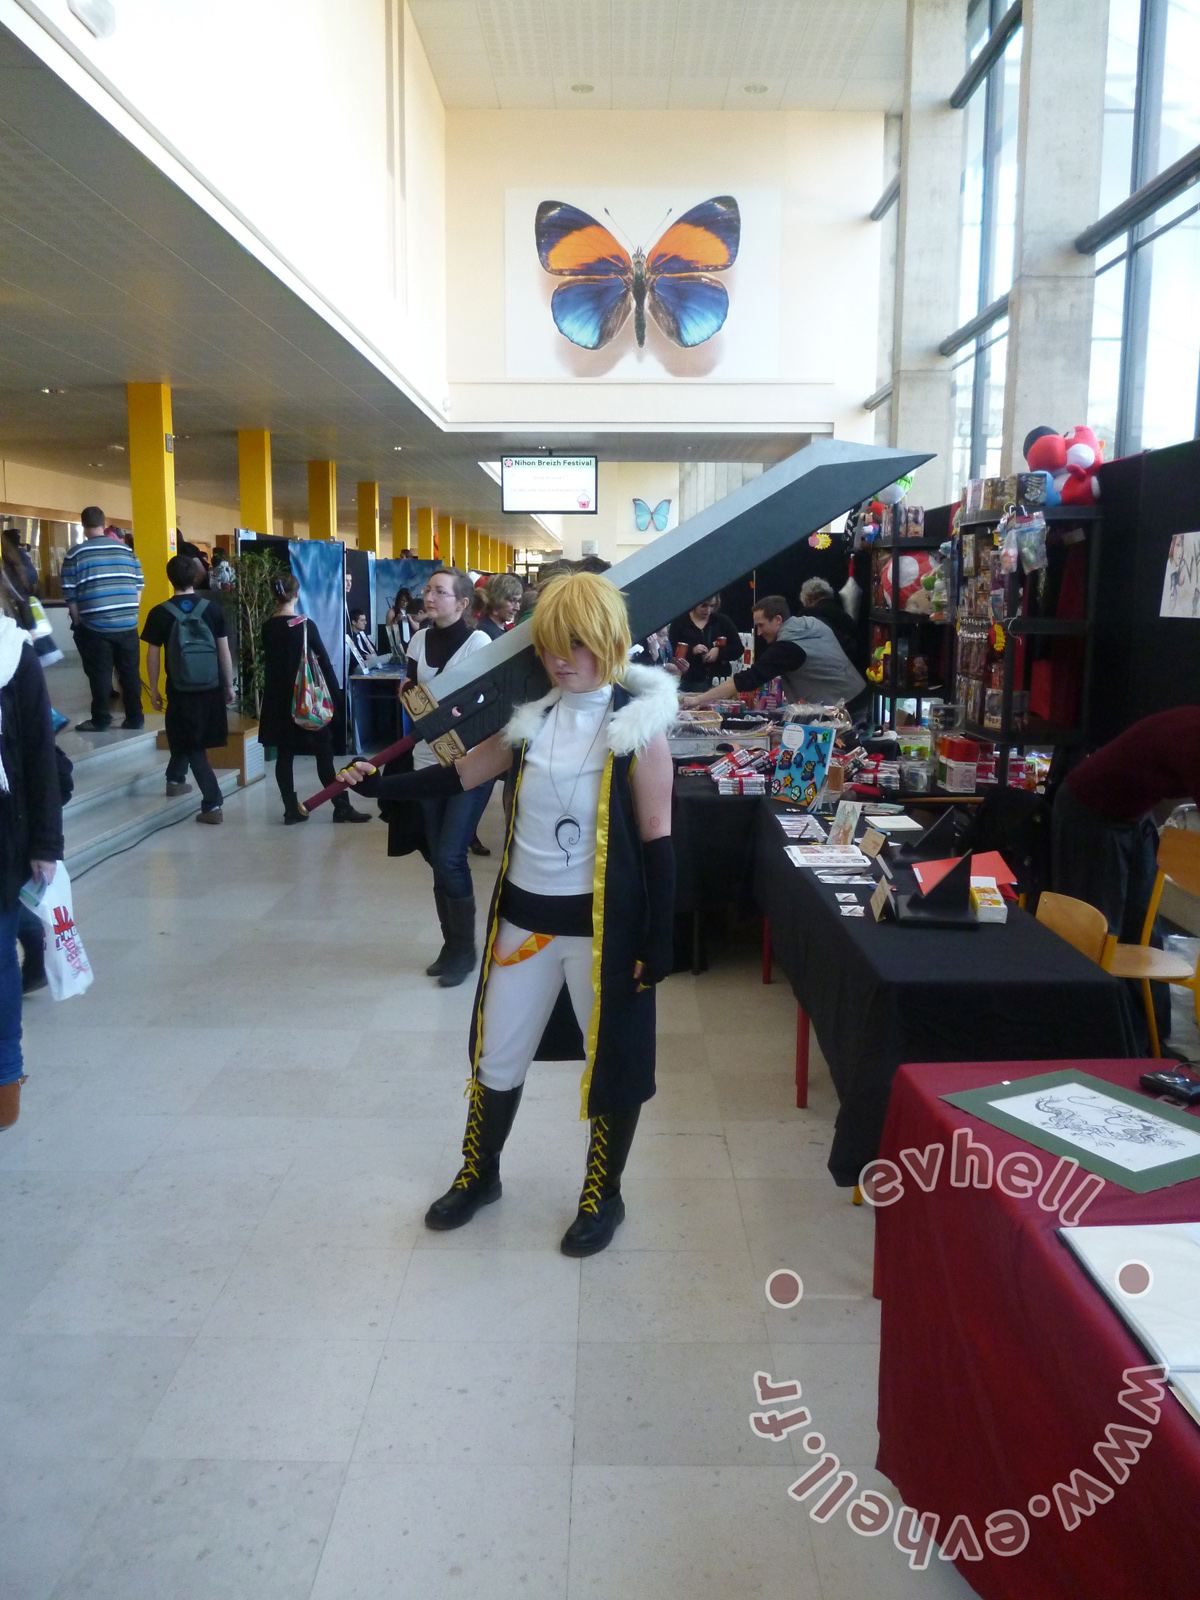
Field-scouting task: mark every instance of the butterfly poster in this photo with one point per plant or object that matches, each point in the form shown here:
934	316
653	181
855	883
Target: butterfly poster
647	517
642	284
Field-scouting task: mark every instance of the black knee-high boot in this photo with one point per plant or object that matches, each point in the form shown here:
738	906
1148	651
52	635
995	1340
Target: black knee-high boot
601	1209
439	961
489	1121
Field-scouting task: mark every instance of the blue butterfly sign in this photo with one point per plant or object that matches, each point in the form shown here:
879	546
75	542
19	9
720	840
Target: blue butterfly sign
644	516
673	281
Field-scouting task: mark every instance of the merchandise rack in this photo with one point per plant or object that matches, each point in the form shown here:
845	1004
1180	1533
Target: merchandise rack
888	691
1036	733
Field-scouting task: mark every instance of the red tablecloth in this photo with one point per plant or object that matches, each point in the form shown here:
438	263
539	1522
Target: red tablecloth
1001	1364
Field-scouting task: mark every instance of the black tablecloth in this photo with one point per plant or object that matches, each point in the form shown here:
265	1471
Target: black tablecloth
714	845
880	994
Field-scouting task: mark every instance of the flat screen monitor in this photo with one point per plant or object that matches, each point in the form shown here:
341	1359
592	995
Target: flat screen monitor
556	485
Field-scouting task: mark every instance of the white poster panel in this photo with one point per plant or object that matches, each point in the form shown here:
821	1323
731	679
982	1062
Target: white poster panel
746	347
1134	1139
1181	581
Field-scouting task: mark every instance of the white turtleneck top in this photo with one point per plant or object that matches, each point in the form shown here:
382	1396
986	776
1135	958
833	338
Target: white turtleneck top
564	762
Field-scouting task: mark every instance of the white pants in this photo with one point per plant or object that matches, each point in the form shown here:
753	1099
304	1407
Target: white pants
518	1000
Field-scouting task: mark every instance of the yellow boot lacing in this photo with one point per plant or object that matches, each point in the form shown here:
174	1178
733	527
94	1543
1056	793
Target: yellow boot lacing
597	1167
472	1152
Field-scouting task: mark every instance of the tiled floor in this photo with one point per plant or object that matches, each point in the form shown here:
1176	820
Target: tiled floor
235	1363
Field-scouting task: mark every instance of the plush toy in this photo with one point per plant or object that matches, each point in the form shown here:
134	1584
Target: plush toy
1081	487
878	656
913	569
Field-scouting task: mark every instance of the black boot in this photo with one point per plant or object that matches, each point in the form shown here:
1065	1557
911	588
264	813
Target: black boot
293	811
343	811
489	1119
459	959
601	1209
435	966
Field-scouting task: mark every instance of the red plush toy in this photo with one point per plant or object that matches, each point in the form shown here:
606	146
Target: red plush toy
1081	487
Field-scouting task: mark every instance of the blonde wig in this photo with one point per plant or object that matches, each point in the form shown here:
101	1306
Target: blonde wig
582	608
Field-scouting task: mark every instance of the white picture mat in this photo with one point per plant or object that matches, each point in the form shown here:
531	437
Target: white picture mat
1127	1136
746	350
1167	1317
1181	581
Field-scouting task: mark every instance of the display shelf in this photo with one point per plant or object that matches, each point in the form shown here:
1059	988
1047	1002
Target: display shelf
1027	626
888	617
1052	514
1033	734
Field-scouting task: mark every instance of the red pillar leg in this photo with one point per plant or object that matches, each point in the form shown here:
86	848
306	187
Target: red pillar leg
766	951
801	1057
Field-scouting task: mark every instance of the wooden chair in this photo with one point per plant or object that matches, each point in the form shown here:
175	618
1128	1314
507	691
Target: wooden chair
1075	921
1179	860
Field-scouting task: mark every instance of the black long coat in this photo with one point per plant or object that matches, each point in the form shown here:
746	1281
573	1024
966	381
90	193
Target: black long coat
31	811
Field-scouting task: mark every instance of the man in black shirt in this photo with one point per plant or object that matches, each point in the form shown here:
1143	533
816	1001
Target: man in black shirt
708	638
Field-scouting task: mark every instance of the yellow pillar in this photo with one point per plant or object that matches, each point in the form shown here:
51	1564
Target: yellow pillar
368	517
255	494
474	553
322	499
443	549
401	513
489	552
426	532
460	545
152	486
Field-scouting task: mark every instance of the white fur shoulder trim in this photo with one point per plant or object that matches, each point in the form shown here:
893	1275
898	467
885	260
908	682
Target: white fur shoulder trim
652	709
527	719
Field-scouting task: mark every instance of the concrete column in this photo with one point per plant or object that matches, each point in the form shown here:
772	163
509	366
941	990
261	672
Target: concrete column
152	486
443	545
322	500
426	532
475	551
368	517
256	500
1063	58
927	240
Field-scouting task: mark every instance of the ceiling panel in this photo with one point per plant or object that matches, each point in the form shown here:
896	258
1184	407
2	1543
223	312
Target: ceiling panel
657	54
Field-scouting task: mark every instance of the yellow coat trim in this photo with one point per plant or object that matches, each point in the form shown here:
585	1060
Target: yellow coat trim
598	880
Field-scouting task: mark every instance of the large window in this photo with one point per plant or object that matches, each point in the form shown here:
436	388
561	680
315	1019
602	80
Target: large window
1144	388
989	210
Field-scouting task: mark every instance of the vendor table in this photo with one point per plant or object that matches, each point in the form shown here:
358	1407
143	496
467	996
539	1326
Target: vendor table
879	994
1001	1364
713	835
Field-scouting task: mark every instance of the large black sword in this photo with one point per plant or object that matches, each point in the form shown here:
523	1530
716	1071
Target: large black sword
661	581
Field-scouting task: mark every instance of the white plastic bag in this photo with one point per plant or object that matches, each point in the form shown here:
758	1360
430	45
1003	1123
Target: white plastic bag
67	967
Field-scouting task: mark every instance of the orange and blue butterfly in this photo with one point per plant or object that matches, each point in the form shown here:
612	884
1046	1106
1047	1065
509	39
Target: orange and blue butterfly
604	283
645	516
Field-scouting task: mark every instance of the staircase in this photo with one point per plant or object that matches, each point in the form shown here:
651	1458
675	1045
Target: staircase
120	795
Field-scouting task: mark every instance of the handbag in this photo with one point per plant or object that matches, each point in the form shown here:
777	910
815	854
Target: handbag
312	703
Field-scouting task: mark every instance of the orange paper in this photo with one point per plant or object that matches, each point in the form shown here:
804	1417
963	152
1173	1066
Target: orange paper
991	864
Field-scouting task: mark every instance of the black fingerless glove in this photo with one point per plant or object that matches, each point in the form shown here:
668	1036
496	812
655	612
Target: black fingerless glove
429	783
657	951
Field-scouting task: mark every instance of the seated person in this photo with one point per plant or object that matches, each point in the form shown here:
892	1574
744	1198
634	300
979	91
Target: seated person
710	639
801	651
362	646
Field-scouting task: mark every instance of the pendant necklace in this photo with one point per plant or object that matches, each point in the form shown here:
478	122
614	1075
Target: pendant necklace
567	832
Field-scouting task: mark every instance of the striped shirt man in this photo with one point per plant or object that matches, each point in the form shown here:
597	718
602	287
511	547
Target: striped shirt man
101	581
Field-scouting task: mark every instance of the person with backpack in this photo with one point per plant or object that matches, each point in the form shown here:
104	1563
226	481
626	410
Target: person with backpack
190	629
292	649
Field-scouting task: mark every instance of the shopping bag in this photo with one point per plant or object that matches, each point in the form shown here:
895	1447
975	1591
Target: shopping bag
312	704
67	967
